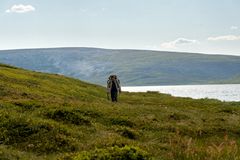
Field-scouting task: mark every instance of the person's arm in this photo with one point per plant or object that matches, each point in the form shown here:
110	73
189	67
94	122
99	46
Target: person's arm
108	89
119	86
108	86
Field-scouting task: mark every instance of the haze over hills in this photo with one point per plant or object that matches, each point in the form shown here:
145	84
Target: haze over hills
134	67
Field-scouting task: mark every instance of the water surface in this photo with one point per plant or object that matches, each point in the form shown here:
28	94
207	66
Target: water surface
226	92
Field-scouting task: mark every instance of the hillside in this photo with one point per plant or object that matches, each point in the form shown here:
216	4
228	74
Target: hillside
134	67
49	116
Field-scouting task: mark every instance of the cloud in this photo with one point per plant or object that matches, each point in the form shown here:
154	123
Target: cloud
234	27
178	42
224	38
20	8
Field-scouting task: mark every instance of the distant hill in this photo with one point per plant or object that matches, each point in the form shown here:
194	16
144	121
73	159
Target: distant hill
134	67
53	117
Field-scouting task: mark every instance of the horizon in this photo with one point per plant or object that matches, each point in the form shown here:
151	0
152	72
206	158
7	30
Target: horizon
204	27
180	52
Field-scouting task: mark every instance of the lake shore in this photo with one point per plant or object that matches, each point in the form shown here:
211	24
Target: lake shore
223	92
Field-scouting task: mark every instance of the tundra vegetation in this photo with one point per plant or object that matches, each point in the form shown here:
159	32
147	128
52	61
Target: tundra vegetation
49	116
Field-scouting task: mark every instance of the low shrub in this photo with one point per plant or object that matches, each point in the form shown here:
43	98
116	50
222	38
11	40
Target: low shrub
91	114
127	133
230	111
177	116
27	105
68	117
114	153
121	122
3	91
36	137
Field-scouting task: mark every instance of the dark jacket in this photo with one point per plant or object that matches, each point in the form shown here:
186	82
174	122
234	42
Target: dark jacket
110	84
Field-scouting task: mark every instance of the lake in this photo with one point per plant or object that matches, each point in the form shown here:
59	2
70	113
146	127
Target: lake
226	92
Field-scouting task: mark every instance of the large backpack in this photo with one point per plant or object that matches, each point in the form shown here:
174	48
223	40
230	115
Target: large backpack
109	83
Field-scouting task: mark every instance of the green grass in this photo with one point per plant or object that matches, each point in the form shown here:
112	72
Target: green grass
46	116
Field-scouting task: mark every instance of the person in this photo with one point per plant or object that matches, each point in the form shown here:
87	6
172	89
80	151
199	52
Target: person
113	87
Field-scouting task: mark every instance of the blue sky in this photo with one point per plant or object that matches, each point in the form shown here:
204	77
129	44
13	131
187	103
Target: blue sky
203	26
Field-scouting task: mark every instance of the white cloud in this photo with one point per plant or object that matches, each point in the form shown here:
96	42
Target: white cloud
234	27
178	42
20	8
224	38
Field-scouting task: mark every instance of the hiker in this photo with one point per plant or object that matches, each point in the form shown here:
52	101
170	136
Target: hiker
113	87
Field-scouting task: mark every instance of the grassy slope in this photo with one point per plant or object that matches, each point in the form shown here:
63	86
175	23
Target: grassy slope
46	116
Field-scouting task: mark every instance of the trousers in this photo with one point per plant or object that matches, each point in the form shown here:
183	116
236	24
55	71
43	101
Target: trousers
114	95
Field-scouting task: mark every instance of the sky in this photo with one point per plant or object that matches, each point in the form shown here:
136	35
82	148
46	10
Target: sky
199	26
